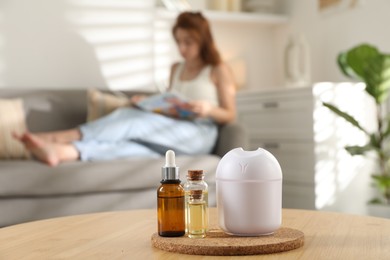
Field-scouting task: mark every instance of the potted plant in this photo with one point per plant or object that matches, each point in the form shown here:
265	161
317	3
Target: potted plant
366	63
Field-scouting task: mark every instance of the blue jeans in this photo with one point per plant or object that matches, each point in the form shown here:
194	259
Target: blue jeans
129	132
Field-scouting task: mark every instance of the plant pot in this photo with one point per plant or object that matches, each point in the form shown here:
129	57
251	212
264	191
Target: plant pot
379	210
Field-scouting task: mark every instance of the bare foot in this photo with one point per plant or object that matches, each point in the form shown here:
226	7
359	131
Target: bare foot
61	137
42	150
45	137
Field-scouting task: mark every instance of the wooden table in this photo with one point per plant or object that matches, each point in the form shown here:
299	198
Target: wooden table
126	235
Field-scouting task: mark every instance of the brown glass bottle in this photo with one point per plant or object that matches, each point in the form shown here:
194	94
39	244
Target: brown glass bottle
170	209
170	200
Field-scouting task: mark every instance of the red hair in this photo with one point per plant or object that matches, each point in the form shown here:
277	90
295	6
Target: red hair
199	28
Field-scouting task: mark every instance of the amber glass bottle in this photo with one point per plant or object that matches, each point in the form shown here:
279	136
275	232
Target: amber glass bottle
171	218
170	200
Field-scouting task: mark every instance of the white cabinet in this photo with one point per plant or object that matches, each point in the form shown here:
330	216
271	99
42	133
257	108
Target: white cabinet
307	138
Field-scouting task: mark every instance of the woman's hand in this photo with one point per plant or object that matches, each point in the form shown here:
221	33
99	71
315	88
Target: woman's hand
201	107
136	98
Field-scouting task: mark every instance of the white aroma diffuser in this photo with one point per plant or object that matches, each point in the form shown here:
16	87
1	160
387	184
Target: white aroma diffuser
249	192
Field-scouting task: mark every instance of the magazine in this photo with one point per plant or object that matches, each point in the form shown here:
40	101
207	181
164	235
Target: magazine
168	103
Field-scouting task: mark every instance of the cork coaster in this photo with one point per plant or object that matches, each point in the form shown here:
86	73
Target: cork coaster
219	243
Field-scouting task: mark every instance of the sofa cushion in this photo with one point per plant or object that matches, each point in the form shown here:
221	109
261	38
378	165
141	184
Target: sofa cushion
31	178
100	103
48	110
12	119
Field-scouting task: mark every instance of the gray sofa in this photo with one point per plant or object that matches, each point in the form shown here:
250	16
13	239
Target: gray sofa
30	190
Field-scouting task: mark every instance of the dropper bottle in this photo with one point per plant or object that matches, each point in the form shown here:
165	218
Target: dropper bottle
170	200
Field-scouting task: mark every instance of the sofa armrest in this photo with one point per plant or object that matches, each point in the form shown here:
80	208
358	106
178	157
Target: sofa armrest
231	136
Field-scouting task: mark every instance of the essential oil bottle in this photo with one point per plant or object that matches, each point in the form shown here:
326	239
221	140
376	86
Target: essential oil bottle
195	181
196	215
170	200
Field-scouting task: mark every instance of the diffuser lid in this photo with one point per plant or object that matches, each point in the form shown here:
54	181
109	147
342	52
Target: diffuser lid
258	165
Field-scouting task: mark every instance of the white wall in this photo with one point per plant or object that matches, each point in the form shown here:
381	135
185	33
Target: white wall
254	45
109	44
76	43
339	29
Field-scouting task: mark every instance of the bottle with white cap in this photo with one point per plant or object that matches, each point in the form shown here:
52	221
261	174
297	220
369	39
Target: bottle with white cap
170	200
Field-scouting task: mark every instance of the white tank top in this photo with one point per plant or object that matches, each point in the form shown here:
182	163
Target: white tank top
199	88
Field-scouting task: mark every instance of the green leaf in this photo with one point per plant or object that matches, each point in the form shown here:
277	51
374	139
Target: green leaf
343	65
344	115
386	133
375	142
376	201
377	77
384	84
365	62
357	57
382	182
359	150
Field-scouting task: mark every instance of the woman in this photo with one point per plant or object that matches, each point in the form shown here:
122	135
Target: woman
127	132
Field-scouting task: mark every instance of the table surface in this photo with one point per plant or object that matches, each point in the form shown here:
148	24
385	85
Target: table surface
127	235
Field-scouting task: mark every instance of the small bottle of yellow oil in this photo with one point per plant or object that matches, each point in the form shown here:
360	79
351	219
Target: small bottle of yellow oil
196	214
195	181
